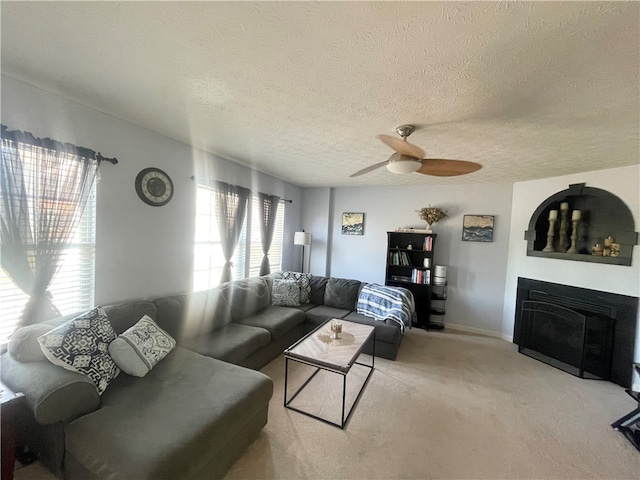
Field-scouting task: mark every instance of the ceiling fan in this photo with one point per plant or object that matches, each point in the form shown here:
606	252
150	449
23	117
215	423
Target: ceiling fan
409	158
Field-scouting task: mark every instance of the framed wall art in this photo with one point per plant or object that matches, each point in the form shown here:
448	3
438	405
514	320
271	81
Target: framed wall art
352	223
477	228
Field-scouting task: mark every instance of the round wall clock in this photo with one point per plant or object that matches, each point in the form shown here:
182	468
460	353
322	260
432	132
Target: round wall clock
154	187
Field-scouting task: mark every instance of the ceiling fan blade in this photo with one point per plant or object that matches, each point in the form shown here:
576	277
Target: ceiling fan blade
369	169
447	168
402	146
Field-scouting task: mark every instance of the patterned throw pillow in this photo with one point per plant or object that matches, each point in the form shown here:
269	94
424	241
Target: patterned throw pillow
285	293
81	345
137	350
304	281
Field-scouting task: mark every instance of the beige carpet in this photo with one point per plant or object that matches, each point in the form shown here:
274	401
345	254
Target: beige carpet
452	405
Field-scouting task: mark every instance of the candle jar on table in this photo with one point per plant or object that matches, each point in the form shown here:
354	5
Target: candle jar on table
336	329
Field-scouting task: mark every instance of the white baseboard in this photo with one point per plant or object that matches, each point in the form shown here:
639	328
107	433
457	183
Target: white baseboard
479	331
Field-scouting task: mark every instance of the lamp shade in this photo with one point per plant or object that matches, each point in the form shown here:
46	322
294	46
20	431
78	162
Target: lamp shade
302	238
403	164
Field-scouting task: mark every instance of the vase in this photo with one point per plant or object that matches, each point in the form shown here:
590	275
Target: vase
429	228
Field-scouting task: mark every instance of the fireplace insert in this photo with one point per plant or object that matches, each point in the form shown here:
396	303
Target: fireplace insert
587	333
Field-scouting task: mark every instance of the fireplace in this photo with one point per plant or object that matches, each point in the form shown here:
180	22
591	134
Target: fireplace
587	333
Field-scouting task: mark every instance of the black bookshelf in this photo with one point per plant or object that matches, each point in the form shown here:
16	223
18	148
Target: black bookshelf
406	267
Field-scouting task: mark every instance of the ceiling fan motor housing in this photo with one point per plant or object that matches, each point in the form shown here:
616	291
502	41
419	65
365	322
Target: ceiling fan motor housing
405	130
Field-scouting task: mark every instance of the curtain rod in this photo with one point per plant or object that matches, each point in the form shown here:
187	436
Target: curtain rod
284	200
50	144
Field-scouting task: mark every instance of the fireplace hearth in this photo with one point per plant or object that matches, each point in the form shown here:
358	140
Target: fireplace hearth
587	333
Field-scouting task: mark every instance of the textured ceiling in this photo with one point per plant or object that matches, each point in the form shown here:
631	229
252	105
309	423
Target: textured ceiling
299	89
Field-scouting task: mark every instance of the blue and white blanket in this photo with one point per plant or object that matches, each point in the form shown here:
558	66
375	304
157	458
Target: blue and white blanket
387	303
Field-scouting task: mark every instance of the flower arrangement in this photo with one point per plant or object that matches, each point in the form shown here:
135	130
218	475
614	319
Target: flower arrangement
431	214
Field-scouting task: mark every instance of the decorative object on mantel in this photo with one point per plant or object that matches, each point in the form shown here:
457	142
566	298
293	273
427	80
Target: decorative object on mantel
562	234
431	215
587	211
597	250
553	216
575	219
615	249
606	251
477	228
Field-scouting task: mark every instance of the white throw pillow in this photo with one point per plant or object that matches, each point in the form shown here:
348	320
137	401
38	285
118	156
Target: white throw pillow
137	350
81	345
285	293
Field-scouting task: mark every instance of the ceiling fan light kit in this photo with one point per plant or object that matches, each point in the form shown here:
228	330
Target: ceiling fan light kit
409	159
402	164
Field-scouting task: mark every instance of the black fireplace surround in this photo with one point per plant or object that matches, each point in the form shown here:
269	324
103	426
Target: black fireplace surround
588	333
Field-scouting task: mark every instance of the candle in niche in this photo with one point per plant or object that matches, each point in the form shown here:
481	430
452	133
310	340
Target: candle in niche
575	215
564	206
553	214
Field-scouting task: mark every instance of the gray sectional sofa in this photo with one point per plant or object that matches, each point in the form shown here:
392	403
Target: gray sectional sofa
196	411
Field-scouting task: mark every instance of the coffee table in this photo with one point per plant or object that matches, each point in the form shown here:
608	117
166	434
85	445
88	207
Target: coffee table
319	350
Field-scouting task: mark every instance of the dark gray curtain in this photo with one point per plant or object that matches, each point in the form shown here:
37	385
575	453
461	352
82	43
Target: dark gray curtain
268	211
45	186
231	209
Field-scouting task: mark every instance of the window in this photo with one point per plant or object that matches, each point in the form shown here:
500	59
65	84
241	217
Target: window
73	286
275	252
208	257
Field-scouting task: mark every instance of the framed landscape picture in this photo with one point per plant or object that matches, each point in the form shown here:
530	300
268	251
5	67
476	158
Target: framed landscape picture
352	223
477	228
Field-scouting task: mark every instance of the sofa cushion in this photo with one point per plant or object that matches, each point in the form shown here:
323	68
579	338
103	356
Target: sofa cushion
303	280
321	313
23	344
231	343
342	293
246	296
138	349
277	320
285	293
318	286
170	423
386	330
125	314
81	345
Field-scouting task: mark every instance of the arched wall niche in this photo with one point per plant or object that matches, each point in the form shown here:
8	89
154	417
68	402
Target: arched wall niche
602	214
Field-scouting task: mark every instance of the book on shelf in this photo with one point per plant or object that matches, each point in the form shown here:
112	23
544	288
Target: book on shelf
400	278
412	230
428	243
423	277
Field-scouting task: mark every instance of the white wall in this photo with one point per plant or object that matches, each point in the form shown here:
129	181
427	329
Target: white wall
475	270
141	251
316	219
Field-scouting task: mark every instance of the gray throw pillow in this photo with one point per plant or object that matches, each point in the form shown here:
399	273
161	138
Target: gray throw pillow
285	293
